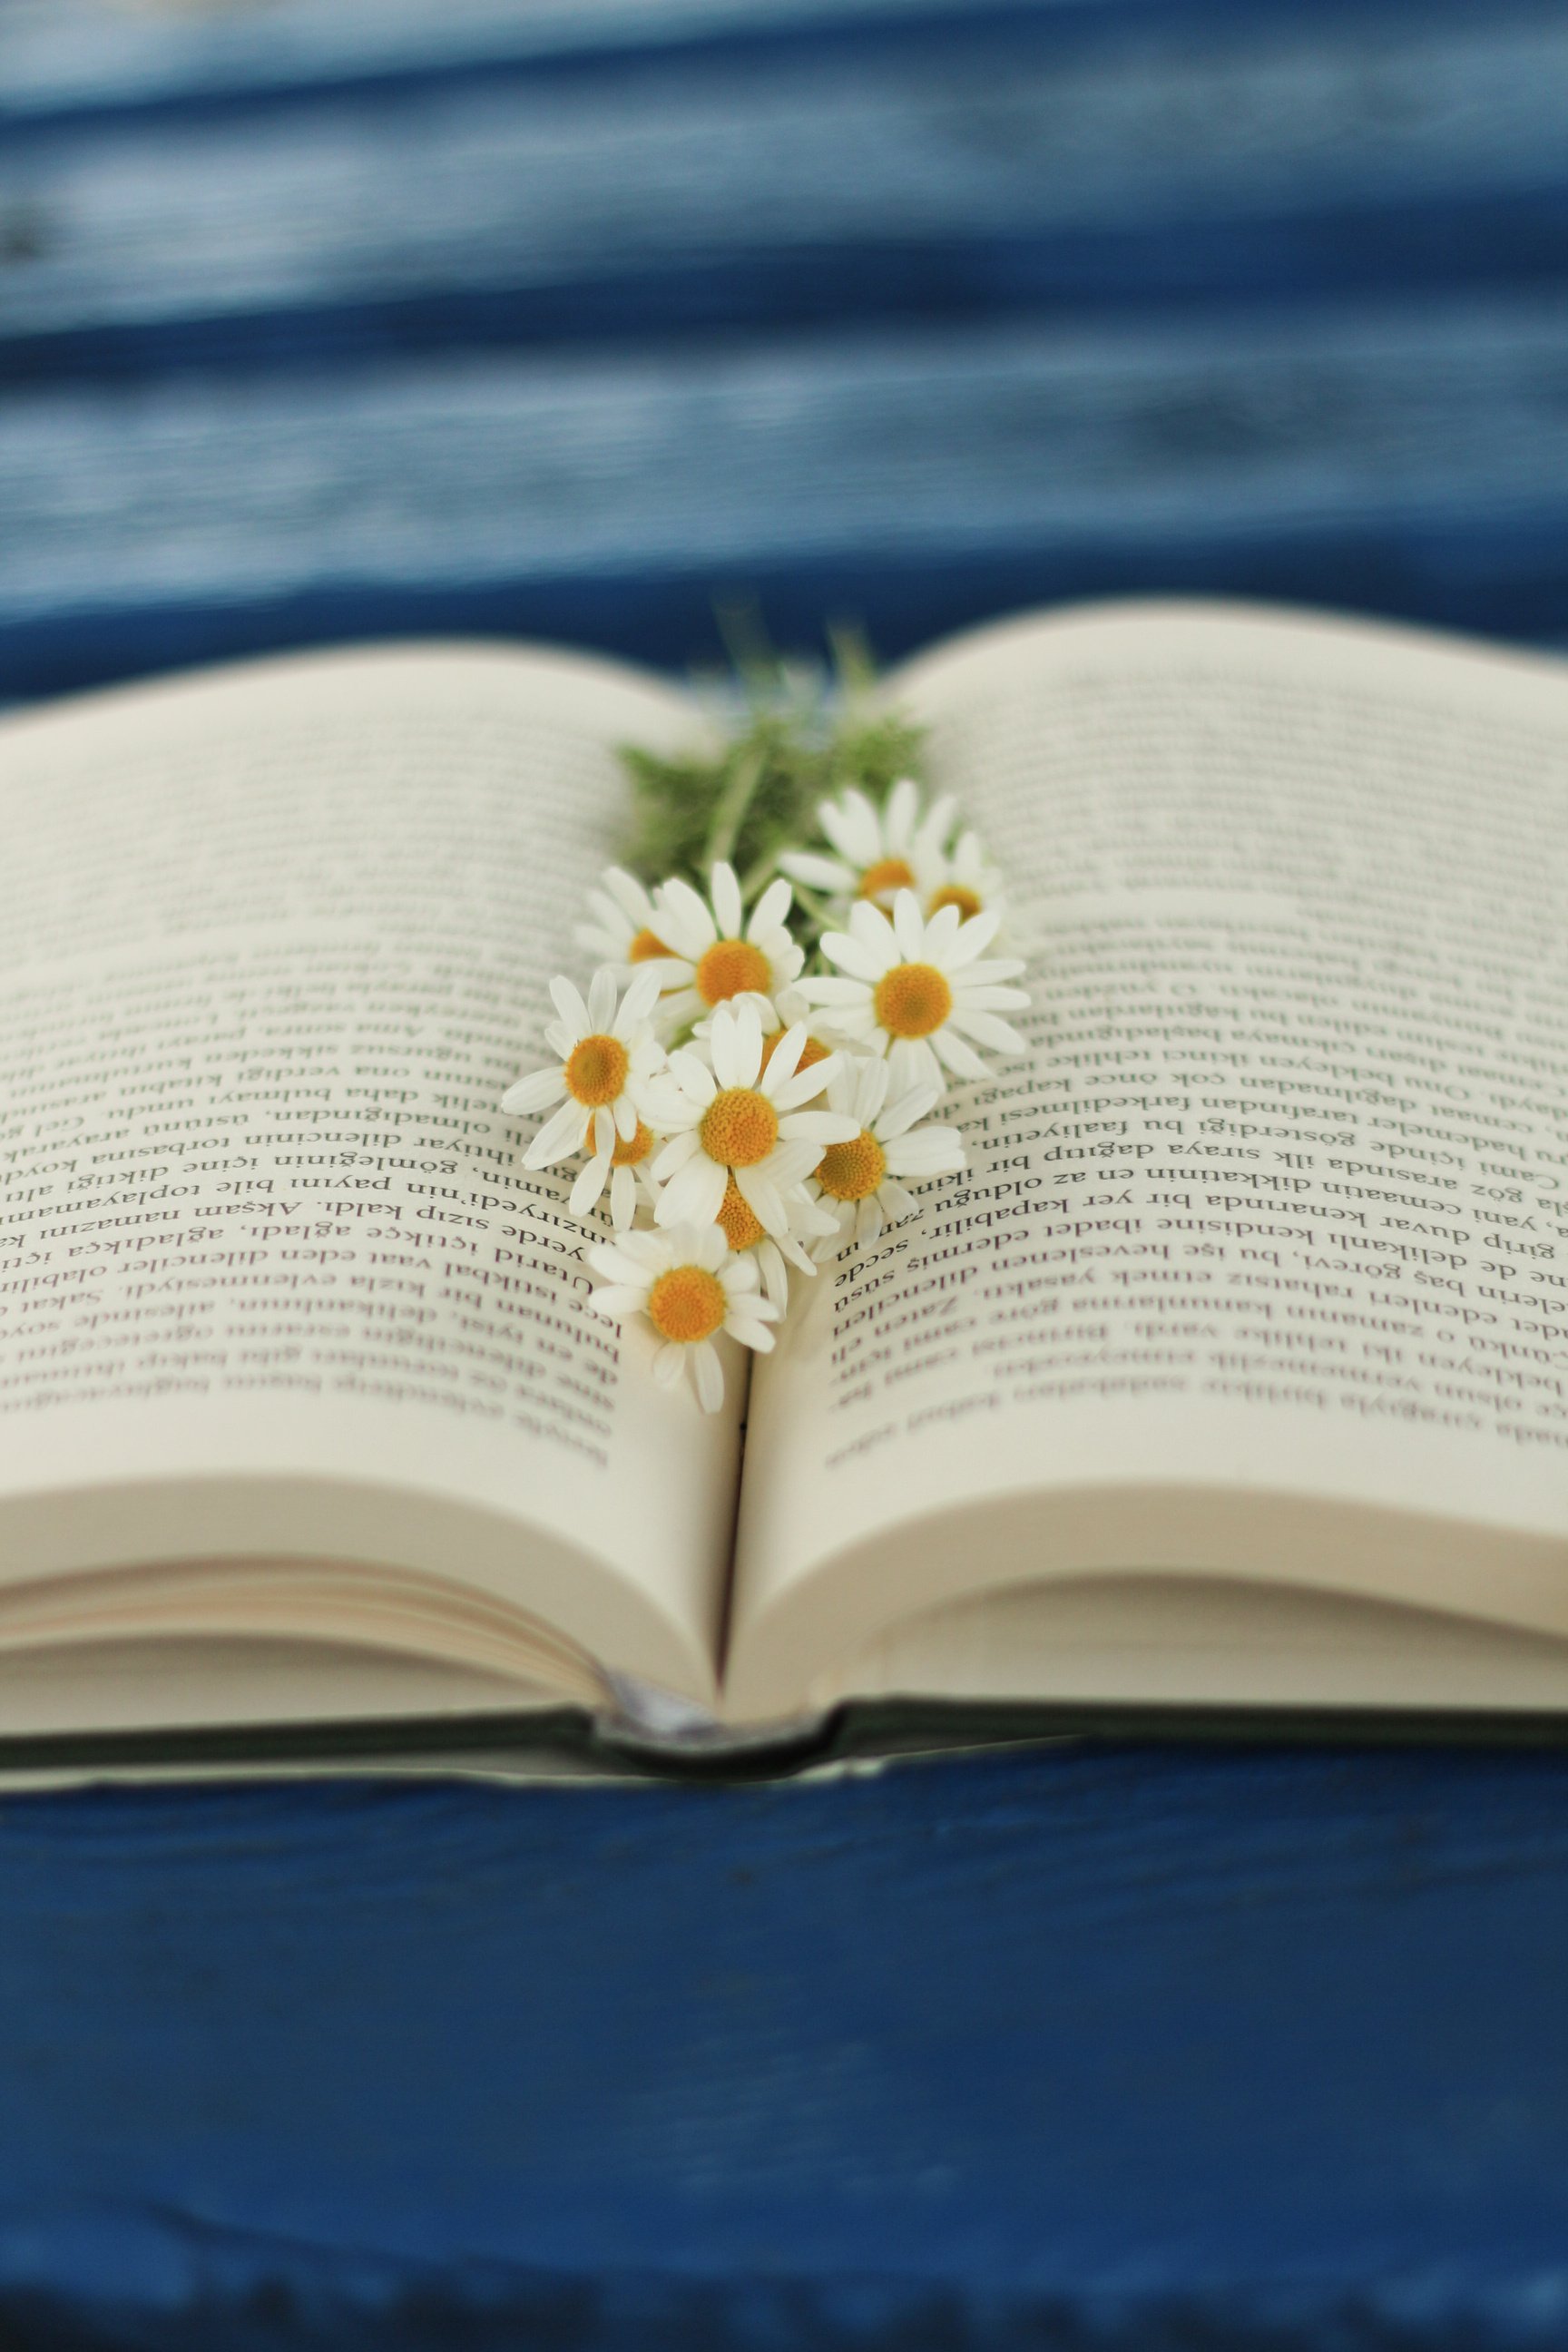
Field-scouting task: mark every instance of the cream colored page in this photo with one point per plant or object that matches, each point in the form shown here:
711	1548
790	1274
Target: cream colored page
1279	1204
272	1276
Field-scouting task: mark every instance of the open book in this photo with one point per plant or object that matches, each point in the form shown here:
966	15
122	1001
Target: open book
1232	1374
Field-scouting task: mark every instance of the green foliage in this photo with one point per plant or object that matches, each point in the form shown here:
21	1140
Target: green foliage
801	740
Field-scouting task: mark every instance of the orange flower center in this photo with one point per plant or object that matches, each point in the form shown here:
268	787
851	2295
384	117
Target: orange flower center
597	1071
646	947
813	1050
632	1154
912	1000
888	875
742	1227
738	1127
852	1170
730	968
954	894
687	1304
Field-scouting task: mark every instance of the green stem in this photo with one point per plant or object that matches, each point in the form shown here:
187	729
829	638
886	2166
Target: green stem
733	802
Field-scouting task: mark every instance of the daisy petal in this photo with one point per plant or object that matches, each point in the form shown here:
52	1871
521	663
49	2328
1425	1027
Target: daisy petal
619	1301
668	1364
818	873
934	1151
602	1000
709	1374
960	1059
989	1029
557	1138
908	928
973	937
694	1194
571	1007
589	1185
532	1093
772	909
727	905
675	1155
905	1111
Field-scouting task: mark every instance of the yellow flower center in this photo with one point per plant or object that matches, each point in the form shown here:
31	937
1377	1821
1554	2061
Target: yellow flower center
813	1050
632	1154
597	1071
730	968
738	1127
646	947
888	875
687	1304
743	1228
954	894
912	1000
852	1170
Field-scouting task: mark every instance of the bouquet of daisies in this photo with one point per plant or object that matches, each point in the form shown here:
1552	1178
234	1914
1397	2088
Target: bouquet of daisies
748	1084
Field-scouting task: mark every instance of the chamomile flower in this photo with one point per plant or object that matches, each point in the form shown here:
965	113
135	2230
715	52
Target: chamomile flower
918	992
858	1181
717	959
963	876
879	851
689	1287
621	933
775	1019
604	1078
738	1120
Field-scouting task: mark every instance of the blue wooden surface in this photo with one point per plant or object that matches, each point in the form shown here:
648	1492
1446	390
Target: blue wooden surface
1129	2050
342	317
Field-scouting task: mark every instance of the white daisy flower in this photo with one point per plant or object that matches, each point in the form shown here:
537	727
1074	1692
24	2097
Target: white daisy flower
716	959
621	933
858	1181
690	1287
739	1120
918	992
605	1076
964	877
880	851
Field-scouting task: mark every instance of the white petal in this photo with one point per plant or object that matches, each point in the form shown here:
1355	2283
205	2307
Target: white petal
694	1194
752	1334
619	1301
940	932
589	1185
693	1076
932	1152
669	1364
897	1201
535	1093
819	1127
852	826
558	1138
960	1059
711	1249
676	1153
682	921
870	1092
905	1111
911	1062
988	1029
615	1264
868	1222
870	929
973	937
629	894
772	909
763	1198
642	994
899	812
649	1250
971	998
623	1198
625	1119
571	1007
601	1132
725	892
724	1045
709	1374
602	1000
818	873
908	928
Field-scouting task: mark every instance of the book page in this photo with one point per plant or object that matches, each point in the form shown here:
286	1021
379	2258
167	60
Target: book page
1260	1267
273	1280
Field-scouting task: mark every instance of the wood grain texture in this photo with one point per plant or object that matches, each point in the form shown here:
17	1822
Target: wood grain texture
1412	460
1119	2049
971	169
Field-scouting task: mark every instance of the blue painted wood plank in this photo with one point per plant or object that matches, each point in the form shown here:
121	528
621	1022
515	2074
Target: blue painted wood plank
1135	2050
1411	460
952	176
